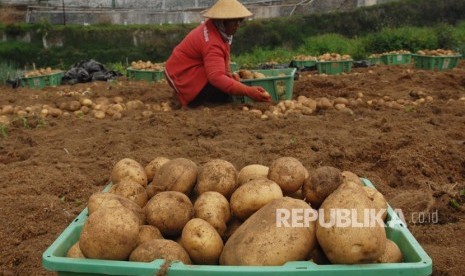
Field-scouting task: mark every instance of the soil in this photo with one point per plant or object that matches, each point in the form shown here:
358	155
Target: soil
414	154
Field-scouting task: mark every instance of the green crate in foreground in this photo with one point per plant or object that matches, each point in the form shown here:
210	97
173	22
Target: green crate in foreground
278	82
435	62
147	75
416	261
334	67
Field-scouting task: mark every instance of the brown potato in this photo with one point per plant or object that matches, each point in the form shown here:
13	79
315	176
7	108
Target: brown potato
213	207
169	212
109	234
352	177
253	195
130	190
260	241
378	200
128	168
288	173
160	249
350	244
75	252
391	254
320	184
101	199
154	166
217	175
179	175
251	172
202	242
147	233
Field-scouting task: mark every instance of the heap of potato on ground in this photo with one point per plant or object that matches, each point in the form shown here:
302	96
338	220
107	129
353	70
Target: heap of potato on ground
213	214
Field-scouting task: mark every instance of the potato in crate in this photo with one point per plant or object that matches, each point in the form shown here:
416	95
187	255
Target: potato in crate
148	71
279	83
438	59
400	57
414	261
334	63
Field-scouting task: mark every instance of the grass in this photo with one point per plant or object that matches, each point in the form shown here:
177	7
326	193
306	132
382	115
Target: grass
3	131
8	71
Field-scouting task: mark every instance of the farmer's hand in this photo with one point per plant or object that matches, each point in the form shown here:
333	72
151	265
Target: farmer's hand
257	93
236	77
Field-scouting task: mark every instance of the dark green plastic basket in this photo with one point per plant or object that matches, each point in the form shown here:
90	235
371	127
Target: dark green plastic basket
38	82
416	261
146	75
435	62
334	67
396	59
301	64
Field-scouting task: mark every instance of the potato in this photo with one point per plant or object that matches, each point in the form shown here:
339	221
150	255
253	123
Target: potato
110	234
320	184
261	241
378	200
147	233
217	175
350	244
350	176
169	212
179	175
232	226
318	256
202	242
160	249
75	252
252	172
129	168
130	190
288	173
213	207
391	254
253	195
101	199
154	166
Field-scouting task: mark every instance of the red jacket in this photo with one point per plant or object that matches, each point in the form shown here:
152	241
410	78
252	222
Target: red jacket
203	56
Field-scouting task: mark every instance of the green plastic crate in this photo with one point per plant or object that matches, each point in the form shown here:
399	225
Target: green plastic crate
38	82
279	83
435	62
54	79
147	75
233	66
42	81
375	60
416	261
334	67
396	59
300	64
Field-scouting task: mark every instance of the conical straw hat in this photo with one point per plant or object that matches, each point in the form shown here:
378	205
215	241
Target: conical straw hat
227	9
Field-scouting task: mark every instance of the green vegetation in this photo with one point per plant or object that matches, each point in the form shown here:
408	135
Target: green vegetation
409	24
8	70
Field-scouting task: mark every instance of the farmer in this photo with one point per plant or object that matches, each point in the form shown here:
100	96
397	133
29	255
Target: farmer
198	68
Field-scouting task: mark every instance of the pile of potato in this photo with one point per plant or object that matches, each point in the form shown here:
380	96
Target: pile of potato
249	74
398	52
375	55
40	72
304	58
437	52
211	214
147	66
334	57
